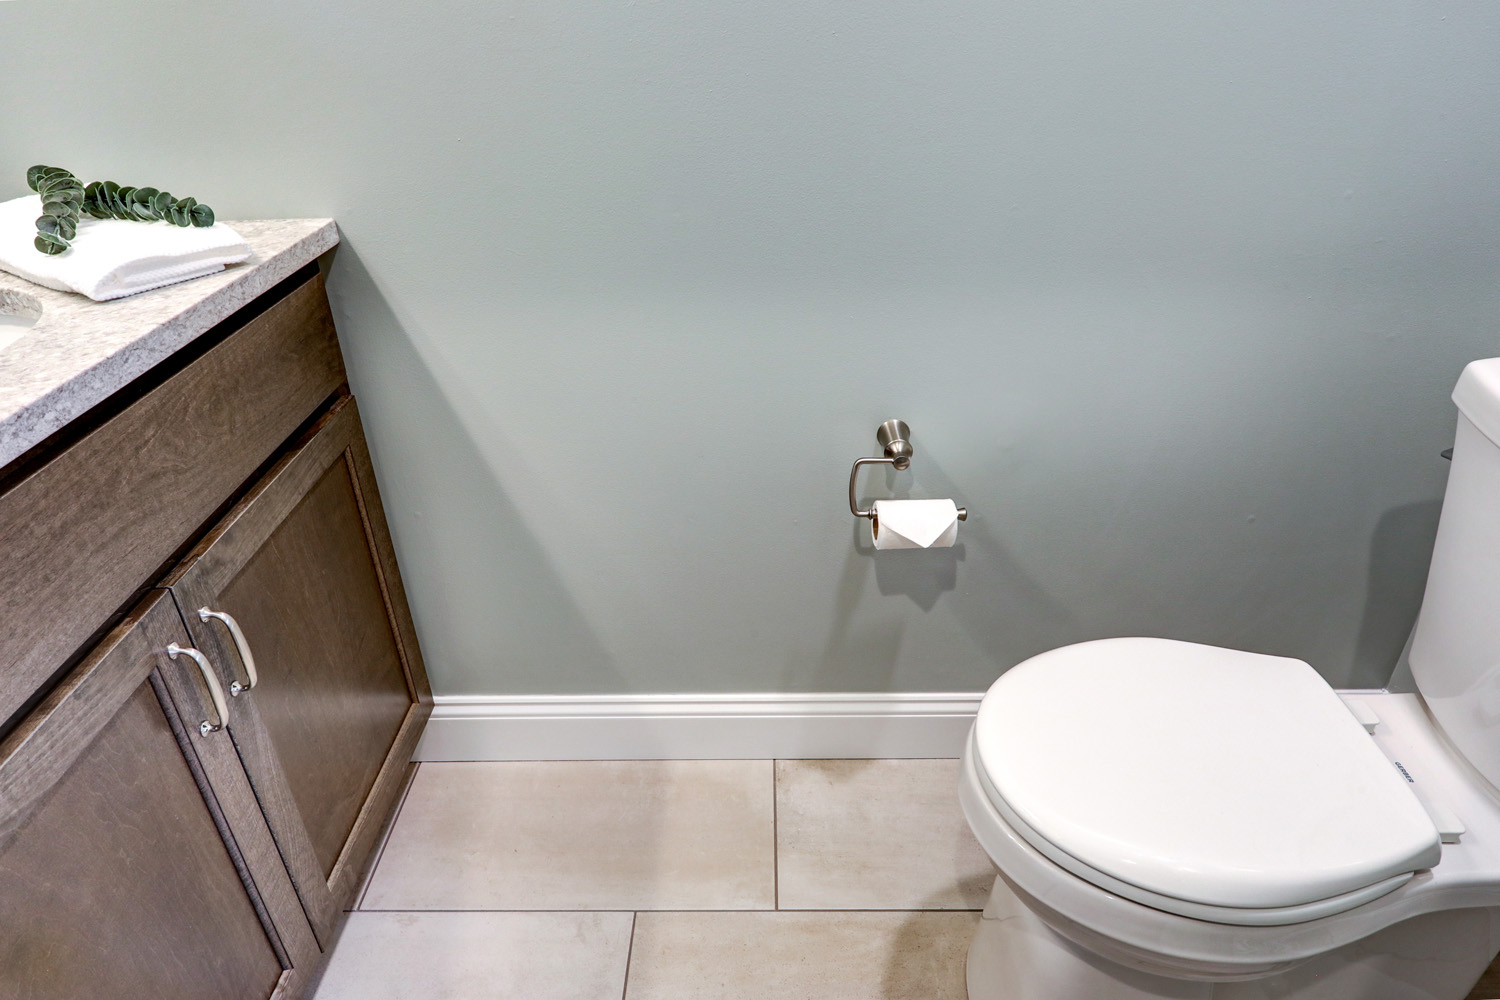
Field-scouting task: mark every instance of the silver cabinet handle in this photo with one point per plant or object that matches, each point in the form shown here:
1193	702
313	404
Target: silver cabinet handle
240	645
212	680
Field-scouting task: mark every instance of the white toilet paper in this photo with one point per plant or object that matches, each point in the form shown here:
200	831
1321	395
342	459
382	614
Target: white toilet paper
914	524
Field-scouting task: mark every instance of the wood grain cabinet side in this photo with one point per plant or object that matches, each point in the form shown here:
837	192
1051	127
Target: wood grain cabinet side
119	876
297	590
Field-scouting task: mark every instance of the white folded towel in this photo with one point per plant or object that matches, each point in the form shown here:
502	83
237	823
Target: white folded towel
111	258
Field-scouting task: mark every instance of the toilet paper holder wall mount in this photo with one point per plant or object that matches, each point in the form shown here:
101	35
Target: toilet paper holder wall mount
893	438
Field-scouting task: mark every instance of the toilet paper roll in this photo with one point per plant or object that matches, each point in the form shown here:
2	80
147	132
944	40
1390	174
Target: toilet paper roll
914	524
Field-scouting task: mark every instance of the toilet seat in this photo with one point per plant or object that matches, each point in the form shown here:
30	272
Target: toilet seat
1215	784
1274	916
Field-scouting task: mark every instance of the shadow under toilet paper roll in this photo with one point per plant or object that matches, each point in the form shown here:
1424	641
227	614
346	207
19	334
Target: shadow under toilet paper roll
914	524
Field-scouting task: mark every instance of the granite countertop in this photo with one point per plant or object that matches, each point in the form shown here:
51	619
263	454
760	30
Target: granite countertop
80	351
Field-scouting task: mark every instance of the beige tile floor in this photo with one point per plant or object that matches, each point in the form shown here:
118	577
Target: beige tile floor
672	880
668	880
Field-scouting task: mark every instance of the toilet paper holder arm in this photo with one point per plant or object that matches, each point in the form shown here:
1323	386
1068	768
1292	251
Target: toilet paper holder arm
854	478
892	436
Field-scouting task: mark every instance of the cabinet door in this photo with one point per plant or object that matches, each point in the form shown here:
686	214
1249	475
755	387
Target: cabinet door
118	876
303	569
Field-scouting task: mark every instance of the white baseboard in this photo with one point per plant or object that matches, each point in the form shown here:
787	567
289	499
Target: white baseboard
697	727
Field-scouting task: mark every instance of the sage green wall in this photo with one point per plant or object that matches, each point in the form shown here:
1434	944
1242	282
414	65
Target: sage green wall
1172	295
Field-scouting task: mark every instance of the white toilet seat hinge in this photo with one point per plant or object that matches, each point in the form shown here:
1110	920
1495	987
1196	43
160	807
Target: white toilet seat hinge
1449	827
1364	713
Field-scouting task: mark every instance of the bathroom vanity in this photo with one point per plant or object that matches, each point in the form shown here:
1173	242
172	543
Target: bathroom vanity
210	685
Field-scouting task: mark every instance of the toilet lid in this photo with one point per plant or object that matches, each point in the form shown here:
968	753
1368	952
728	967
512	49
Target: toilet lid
1209	775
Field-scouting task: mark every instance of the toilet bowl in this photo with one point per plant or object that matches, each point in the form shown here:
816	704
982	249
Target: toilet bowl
1171	819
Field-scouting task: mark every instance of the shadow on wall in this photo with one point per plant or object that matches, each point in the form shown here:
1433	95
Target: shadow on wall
455	594
923	575
1400	551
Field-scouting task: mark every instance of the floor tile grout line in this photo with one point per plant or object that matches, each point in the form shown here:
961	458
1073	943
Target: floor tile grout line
775	845
819	909
385	841
629	953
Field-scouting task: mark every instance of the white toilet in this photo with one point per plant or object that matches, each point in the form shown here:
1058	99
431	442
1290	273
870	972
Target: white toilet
1178	820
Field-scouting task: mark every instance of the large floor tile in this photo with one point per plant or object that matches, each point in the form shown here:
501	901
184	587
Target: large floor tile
581	835
794	956
458	956
875	834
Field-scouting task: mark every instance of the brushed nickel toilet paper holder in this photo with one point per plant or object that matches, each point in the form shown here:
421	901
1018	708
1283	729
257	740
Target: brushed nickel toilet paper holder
892	436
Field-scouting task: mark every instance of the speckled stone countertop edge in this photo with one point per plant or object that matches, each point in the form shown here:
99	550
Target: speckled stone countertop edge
80	352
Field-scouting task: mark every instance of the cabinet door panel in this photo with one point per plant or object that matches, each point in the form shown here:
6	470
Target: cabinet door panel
332	692
304	565
115	875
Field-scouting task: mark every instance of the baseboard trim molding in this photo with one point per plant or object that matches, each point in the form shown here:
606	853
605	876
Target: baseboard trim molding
697	727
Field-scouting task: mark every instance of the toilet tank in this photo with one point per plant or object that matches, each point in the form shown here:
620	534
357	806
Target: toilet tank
1455	653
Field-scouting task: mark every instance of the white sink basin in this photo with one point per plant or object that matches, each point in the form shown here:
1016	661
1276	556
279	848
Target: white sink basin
17	316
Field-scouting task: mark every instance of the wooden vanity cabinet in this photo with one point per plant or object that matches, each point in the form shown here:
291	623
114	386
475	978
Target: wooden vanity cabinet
119	873
299	584
150	845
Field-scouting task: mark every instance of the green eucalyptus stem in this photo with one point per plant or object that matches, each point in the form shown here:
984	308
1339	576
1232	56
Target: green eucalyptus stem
108	200
65	200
